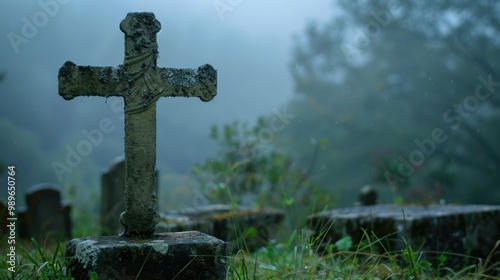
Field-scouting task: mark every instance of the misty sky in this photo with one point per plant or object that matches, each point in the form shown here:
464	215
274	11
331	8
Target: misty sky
250	46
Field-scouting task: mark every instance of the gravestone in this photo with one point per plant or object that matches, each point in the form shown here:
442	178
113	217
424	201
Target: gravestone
113	196
217	220
367	196
185	255
257	225
470	230
44	215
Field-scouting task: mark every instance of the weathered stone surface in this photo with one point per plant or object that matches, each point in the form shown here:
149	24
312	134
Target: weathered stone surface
367	196
138	252
113	196
226	223
181	255
472	230
140	83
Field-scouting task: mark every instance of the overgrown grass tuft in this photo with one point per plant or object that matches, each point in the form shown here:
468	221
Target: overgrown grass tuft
36	262
299	254
299	258
302	257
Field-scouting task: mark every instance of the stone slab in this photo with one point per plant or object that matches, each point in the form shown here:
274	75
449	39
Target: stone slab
226	222
472	230
181	255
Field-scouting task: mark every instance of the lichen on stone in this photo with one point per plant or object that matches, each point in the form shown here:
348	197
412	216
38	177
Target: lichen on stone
180	77
159	246
86	253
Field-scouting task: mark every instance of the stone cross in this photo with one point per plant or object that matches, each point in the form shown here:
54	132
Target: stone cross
141	83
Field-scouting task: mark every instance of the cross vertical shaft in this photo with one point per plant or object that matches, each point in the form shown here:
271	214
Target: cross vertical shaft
140	83
140	192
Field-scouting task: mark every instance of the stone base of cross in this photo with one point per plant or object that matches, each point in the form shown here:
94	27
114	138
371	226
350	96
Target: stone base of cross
176	255
141	83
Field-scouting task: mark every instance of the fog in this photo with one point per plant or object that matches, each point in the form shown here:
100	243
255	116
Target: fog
248	42
390	94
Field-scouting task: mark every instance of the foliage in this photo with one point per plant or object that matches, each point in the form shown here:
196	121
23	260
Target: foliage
84	214
35	262
300	257
416	264
381	79
249	170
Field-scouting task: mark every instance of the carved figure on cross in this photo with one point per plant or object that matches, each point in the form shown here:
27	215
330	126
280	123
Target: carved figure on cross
140	83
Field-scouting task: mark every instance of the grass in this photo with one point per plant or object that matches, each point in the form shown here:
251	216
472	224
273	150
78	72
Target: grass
36	262
298	257
344	260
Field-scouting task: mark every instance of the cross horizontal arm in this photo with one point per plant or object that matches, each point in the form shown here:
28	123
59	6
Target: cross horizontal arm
188	82
91	81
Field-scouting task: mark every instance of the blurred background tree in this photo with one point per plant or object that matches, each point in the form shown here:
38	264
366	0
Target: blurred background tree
251	171
379	76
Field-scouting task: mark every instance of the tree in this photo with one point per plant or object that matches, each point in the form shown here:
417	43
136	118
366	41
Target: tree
405	92
251	171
